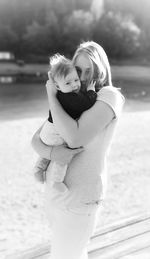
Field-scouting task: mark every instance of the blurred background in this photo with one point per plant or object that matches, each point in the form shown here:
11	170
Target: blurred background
31	31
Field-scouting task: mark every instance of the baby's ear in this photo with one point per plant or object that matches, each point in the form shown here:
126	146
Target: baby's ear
57	87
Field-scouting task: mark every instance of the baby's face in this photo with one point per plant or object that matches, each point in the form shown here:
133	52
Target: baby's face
70	83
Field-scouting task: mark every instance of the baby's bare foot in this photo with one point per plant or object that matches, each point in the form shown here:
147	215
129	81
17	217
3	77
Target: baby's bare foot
40	177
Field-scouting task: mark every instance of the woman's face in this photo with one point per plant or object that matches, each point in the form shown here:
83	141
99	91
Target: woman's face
85	69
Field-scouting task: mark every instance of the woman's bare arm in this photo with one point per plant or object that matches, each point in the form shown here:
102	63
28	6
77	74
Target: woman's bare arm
81	132
90	123
60	154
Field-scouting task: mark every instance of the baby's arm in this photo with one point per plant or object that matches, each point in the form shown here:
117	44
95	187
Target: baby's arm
91	94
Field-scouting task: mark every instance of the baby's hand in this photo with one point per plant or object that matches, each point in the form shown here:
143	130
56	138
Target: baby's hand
49	84
91	86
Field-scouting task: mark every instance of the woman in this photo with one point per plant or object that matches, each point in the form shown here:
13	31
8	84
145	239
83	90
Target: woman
73	215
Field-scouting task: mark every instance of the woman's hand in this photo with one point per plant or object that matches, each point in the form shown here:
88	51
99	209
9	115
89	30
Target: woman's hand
63	155
51	87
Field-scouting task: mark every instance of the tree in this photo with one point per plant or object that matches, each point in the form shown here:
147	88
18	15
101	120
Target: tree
8	38
43	39
77	28
140	14
119	35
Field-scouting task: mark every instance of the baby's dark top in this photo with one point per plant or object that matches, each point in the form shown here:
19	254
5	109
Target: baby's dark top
75	103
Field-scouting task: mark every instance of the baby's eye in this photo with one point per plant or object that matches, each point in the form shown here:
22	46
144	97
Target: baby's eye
76	80
68	83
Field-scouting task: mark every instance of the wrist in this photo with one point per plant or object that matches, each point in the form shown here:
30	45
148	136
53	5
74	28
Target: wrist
52	100
51	96
51	89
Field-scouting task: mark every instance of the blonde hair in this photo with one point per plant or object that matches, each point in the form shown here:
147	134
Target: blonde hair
60	66
102	71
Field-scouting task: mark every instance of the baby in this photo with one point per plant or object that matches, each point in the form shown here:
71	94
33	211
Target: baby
74	102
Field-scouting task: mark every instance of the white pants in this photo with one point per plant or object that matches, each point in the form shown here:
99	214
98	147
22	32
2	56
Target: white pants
49	135
58	171
70	234
71	229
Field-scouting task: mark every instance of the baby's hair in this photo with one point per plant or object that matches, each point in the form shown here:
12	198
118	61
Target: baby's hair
60	66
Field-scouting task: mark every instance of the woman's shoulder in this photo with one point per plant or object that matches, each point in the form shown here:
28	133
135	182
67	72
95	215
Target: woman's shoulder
113	97
110	89
110	92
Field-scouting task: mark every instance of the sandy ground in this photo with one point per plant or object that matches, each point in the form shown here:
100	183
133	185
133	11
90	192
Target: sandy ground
23	223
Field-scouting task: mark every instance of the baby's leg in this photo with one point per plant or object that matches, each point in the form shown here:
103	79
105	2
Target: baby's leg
59	172
40	168
49	135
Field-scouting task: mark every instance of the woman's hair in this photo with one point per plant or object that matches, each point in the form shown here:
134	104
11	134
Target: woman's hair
60	66
102	72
